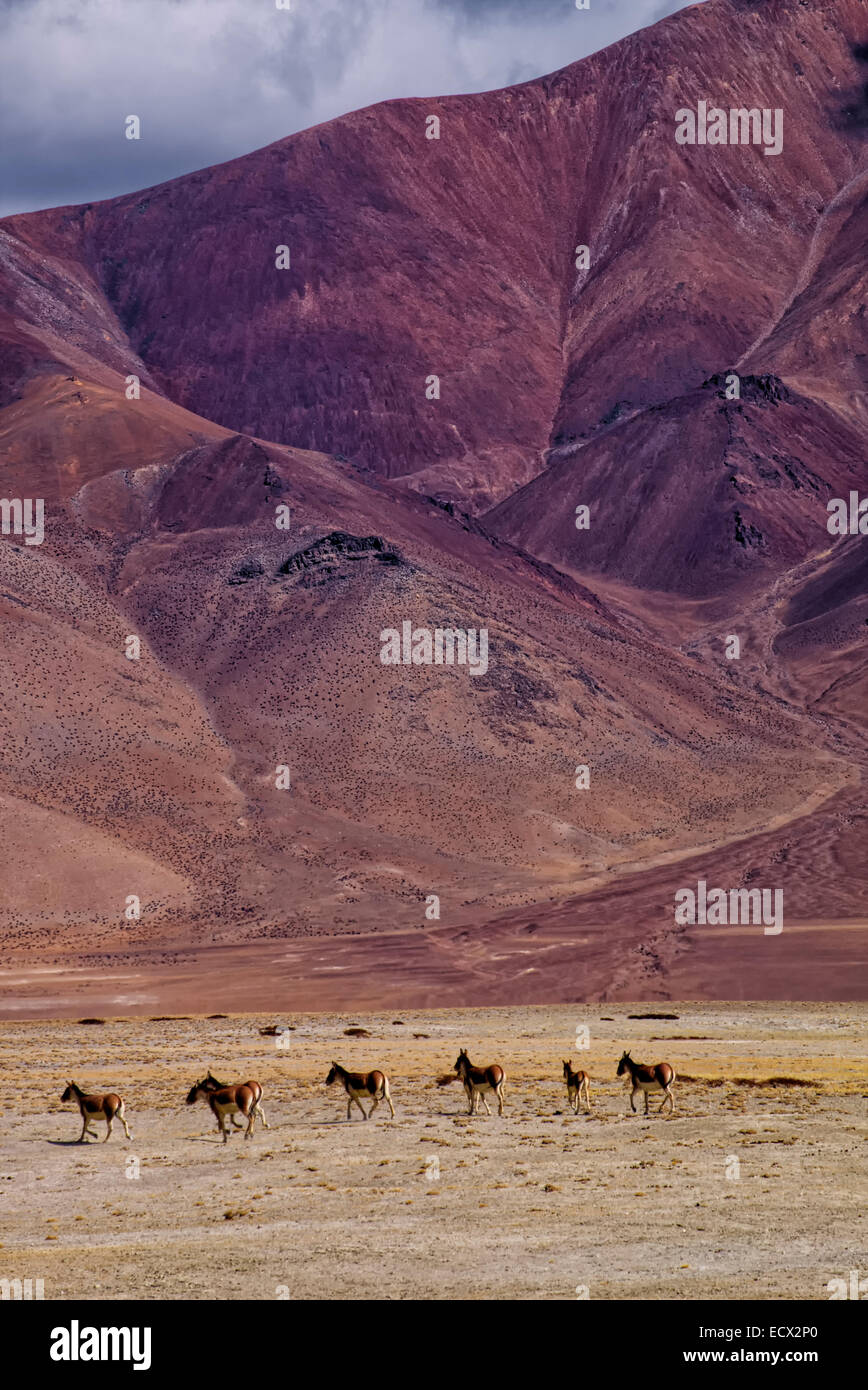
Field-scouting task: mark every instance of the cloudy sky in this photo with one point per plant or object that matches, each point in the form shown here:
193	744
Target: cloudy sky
211	79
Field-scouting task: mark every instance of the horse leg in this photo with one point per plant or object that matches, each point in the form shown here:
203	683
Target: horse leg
81	1138
588	1094
388	1095
108	1128
260	1112
484	1102
361	1107
250	1121
236	1124
374	1106
499	1094
646	1102
633	1094
122	1117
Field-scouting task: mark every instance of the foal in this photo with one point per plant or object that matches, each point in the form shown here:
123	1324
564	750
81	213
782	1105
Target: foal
657	1078
229	1100
108	1106
361	1083
478	1080
578	1087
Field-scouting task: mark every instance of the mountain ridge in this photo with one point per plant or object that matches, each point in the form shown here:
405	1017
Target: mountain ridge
260	646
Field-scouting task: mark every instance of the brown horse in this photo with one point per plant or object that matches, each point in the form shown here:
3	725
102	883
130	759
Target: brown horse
478	1080
212	1084
657	1078
109	1106
361	1083
230	1100
578	1086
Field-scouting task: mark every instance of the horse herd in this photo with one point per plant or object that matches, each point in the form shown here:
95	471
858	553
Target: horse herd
226	1100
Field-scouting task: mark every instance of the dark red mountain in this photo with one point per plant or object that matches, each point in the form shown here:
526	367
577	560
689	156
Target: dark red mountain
309	388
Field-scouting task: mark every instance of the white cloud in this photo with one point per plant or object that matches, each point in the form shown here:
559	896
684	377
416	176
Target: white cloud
211	79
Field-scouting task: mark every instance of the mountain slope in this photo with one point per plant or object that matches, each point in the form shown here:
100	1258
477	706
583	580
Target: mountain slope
455	257
302	392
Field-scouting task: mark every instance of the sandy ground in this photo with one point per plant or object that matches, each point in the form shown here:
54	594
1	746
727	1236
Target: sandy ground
749	1190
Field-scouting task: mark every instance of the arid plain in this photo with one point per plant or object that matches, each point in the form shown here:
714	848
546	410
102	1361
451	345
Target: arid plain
756	1187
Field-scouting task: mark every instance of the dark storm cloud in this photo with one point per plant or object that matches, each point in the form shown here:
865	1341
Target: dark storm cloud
211	79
